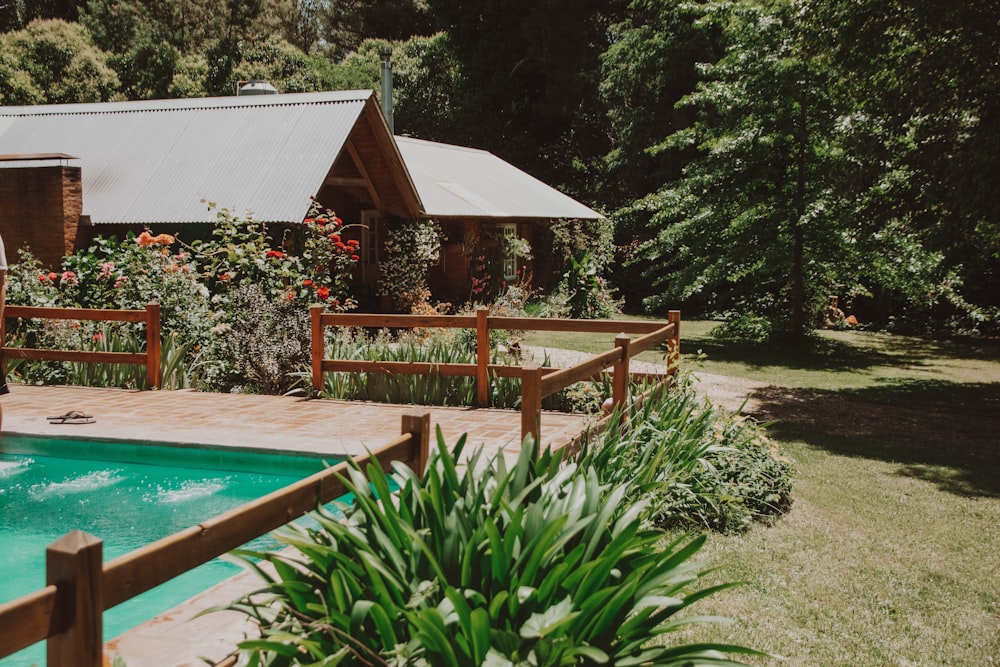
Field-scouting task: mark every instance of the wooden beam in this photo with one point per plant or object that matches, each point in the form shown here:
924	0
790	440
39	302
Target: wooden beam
347	182
356	157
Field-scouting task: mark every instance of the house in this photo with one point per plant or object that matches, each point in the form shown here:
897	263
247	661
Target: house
71	172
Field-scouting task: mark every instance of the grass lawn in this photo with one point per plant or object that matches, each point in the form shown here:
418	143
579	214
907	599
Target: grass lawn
891	552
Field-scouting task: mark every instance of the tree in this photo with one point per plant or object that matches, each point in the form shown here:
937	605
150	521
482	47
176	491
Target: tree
67	10
753	223
927	128
649	67
345	24
425	77
529	73
56	63
11	15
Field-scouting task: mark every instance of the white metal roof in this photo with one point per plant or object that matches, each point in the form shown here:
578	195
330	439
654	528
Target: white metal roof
453	181
153	161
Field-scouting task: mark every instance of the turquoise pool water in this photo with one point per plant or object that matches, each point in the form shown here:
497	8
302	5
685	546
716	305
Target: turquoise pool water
128	495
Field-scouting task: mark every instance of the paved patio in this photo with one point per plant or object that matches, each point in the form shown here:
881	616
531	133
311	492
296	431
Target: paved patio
280	423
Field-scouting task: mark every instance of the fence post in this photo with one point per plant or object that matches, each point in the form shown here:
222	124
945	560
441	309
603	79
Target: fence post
154	371
419	426
482	356
318	348
74	565
531	401
674	344
619	385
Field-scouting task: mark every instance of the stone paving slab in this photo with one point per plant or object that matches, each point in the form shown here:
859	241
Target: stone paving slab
276	423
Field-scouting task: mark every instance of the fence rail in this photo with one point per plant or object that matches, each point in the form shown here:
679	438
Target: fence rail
67	612
536	382
150	358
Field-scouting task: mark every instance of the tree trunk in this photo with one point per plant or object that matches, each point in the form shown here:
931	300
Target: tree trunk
797	303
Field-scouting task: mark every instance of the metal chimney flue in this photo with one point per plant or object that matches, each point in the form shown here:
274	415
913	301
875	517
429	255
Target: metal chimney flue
387	86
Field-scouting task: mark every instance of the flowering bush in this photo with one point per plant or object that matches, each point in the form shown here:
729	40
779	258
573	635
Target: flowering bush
311	264
410	248
212	295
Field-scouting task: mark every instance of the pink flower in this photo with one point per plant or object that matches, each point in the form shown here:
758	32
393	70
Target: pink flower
69	277
98	336
106	269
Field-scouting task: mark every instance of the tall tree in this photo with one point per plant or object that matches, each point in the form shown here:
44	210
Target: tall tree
67	10
56	63
11	15
752	224
651	65
927	126
529	74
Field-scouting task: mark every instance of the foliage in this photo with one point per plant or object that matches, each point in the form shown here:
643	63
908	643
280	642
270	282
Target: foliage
528	76
698	465
588	295
55	62
259	344
409	250
436	347
746	327
233	308
478	565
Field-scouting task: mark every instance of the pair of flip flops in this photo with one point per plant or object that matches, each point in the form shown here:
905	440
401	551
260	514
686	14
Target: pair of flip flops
72	417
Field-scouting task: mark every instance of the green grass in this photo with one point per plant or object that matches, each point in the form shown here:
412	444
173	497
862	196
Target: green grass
890	553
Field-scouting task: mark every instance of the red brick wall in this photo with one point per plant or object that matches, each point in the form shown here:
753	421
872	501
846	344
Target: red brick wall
40	208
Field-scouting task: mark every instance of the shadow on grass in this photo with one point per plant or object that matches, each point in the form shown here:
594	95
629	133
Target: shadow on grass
943	432
841	351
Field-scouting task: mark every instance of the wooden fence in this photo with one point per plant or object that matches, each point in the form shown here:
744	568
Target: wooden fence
68	611
150	358
536	382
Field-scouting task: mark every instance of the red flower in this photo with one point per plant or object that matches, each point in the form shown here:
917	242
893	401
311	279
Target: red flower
341	246
42	277
354	243
323	292
307	283
334	237
355	258
277	254
98	336
53	276
338	222
309	221
321	221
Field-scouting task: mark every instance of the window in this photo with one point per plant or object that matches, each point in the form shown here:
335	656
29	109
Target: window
508	245
369	245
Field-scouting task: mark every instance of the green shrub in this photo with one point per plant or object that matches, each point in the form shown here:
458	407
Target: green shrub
477	564
746	326
698	465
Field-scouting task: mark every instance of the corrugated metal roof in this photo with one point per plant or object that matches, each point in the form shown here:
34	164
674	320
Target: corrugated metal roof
266	153
464	182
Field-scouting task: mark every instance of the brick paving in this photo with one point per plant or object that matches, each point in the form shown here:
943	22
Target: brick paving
280	423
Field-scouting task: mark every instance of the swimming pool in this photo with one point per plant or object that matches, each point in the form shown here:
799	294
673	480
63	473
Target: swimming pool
127	494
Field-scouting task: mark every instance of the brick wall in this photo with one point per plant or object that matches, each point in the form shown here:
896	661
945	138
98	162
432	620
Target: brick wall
40	207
